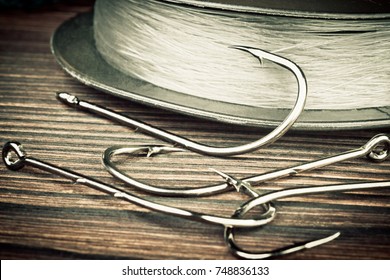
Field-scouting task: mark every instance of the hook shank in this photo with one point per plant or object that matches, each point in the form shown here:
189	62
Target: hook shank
369	150
23	160
278	132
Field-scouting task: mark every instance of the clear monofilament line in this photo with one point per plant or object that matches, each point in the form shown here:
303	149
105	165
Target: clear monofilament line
187	50
272	136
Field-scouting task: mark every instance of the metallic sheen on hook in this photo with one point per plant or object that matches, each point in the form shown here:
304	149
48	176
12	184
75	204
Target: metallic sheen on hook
263	199
16	158
370	149
377	149
278	132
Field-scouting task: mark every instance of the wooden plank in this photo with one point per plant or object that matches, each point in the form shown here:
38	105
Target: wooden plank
43	216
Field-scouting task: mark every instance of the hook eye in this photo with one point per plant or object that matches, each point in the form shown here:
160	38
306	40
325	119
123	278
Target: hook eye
229	231
14	155
379	148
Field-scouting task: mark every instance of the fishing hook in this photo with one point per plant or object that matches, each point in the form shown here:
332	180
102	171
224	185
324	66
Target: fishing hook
370	149
278	132
16	158
376	149
263	199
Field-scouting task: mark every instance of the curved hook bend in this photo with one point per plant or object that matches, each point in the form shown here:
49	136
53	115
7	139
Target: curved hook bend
278	132
267	198
371	149
15	158
149	151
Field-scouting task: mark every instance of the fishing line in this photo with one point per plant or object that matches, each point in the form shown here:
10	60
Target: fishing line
187	49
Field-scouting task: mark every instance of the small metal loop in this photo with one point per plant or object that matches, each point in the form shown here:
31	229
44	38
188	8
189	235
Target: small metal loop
9	150
369	149
71	100
379	148
117	193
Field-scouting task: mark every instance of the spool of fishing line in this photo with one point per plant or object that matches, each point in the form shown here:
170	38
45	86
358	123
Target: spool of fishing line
177	55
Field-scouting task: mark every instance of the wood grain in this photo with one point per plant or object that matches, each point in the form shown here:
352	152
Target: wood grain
46	217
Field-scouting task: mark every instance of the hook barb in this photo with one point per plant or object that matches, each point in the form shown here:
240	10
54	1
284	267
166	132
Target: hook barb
244	185
239	185
115	192
271	137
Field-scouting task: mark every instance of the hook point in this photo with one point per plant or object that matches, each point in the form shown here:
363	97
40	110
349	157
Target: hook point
230	180
255	52
240	185
321	241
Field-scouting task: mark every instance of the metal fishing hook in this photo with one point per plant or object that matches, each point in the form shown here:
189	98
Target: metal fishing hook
280	130
370	149
16	158
263	199
376	149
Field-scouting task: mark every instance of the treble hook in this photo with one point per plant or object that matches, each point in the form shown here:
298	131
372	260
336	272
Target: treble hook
279	131
370	149
264	199
16	158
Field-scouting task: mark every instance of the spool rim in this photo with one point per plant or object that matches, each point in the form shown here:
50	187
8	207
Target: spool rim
73	47
318	9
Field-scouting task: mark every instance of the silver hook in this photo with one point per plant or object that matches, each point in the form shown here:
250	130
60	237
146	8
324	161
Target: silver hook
16	158
264	199
376	149
201	148
370	149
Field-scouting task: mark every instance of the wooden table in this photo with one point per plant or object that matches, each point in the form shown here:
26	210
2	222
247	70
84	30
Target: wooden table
46	217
